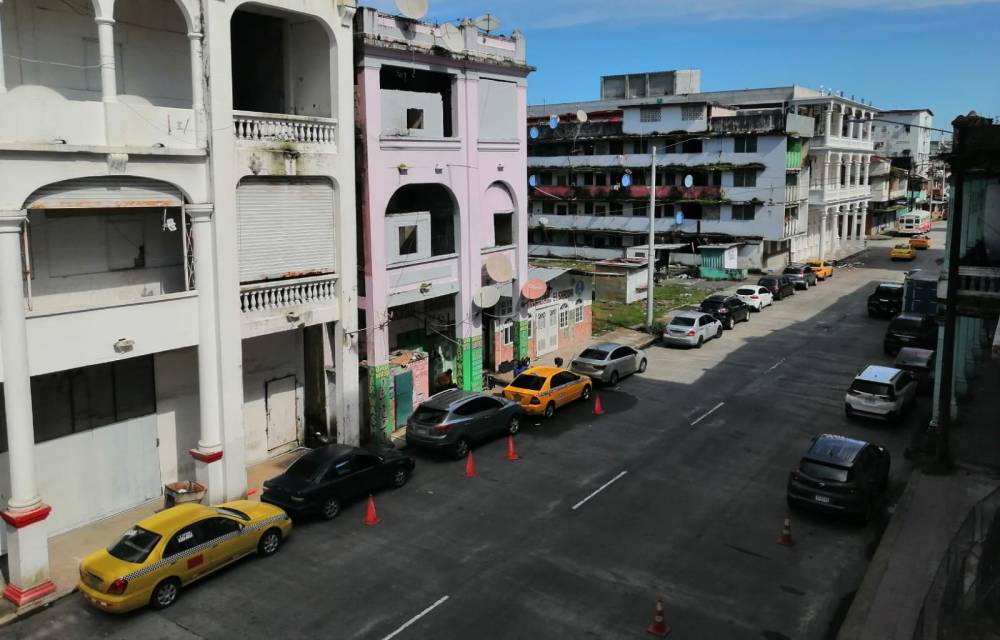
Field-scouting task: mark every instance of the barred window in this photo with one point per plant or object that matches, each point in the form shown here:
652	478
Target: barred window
691	113
649	114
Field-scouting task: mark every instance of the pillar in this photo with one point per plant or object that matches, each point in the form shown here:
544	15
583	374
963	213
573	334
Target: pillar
208	456
863	229
822	233
198	86
3	84
24	518
867	168
851	125
106	45
842	220
828	112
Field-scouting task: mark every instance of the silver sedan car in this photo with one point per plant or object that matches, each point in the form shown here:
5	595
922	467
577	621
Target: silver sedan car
609	362
692	329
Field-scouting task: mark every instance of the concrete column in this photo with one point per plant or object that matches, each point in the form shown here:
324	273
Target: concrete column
198	87
863	229
822	233
829	119
842	220
106	44
24	518
851	125
3	84
208	455
867	168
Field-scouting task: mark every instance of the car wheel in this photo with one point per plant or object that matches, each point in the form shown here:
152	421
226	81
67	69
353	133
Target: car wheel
269	543
747	319
550	409
642	366
718	332
331	508
399	477
701	340
461	448
165	593
614	378
514	425
586	390
730	323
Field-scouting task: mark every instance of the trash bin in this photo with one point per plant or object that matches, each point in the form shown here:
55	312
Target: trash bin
185	491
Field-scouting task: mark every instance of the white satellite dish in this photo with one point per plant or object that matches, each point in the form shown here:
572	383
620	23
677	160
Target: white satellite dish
452	38
499	268
543	221
412	9
688	181
486	297
581	115
487	23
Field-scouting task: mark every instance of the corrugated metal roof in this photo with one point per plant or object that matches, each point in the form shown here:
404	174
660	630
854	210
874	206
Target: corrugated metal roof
545	274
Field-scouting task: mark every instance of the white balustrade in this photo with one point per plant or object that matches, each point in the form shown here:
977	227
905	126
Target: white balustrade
268	296
269	127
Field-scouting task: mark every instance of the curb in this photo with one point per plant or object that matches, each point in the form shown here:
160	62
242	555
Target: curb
31	609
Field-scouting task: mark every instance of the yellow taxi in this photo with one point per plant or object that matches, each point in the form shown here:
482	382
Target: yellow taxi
902	252
542	390
921	241
821	268
151	561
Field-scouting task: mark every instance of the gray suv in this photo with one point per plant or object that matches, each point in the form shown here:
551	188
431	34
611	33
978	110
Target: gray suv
454	419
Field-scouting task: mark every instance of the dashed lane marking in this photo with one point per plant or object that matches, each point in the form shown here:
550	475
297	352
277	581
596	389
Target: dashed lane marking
776	365
599	489
420	615
707	413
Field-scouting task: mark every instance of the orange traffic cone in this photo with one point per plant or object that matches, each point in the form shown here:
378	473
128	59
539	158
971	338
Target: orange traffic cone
470	466
786	533
511	453
598	409
659	627
371	519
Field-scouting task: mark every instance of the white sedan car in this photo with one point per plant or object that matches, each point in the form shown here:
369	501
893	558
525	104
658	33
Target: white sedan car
755	296
692	329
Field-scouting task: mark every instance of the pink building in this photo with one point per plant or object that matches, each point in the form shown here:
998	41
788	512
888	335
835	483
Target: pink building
442	190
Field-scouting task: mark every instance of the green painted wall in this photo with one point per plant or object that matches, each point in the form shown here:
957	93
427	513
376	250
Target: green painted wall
521	349
470	364
793	156
380	416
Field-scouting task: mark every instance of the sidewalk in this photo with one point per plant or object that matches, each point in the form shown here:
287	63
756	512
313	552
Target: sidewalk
67	549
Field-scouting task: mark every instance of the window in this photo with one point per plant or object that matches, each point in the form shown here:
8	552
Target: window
600	209
640	146
745	144
135	545
616	147
579	313
649	114
545	178
744	212
414	118
562	180
745	178
640	210
588	179
588	208
691	112
507	332
505	307
615	209
503	229
531	326
187	538
363	462
562	209
564	377
548	207
217	527
476	405
563	323
601	179
615	241
407	239
691	146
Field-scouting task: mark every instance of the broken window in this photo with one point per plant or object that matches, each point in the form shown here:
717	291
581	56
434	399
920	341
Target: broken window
503	229
407	240
414	118
691	146
406	90
435	199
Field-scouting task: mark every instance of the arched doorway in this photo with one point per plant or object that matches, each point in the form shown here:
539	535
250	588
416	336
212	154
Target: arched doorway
422	221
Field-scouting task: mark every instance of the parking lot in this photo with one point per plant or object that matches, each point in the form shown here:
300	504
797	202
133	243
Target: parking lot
678	490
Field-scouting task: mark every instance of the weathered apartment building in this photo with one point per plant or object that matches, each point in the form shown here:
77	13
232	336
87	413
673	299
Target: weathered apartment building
780	172
178	293
904	137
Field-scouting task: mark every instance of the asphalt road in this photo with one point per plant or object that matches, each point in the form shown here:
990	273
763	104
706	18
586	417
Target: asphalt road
692	457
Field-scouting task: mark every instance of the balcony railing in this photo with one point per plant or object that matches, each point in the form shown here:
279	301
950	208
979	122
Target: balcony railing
271	127
270	296
638	192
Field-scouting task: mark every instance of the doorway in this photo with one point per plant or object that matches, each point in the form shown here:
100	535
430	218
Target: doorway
282	413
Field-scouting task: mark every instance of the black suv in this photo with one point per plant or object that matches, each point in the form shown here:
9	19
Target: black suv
727	309
780	286
910	330
840	475
802	275
886	301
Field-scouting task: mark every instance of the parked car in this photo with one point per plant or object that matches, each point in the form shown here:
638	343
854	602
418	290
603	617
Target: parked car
821	268
910	330
920	241
902	252
920	363
542	390
755	296
886	300
154	559
881	392
692	329
840	475
609	362
454	420
727	309
780	286
321	481
801	275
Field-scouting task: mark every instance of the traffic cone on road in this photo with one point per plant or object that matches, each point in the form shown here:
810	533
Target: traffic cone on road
371	519
786	533
470	466
598	409
659	627
511	453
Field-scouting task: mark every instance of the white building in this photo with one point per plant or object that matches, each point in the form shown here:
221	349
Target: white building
177	251
905	133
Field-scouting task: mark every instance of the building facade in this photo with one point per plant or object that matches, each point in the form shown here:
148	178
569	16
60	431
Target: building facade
178	289
442	205
888	196
905	133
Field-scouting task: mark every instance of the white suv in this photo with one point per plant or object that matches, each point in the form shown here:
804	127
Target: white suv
881	392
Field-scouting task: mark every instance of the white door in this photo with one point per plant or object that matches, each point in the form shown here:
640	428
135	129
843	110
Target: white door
547	329
282	413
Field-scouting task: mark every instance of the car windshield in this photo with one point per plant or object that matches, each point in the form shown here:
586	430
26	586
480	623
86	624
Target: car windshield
134	545
903	246
426	414
822	471
767	282
235	513
682	321
594	354
528	381
746	292
711	304
874	388
889	292
304	468
790	270
904	323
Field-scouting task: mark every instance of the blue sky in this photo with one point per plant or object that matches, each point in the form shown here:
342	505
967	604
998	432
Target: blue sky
940	54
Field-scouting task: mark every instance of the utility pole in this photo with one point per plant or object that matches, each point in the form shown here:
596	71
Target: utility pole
651	251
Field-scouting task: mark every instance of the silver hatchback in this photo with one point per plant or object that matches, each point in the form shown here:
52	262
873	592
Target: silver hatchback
609	362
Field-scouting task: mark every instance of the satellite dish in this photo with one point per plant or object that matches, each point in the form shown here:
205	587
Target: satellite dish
412	9
451	38
581	115
688	181
533	132
487	23
498	267
532	181
543	221
534	289
553	122
626	180
486	297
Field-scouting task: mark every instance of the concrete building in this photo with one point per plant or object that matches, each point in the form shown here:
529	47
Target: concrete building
177	252
767	170
888	196
443	203
905	133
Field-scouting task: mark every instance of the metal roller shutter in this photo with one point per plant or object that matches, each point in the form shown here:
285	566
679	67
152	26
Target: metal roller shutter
286	227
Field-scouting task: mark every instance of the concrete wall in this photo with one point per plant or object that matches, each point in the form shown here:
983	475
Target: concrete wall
178	423
269	358
395	105
497	110
672	118
310	69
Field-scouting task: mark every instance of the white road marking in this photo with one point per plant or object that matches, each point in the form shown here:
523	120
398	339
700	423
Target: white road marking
776	365
600	489
708	413
420	615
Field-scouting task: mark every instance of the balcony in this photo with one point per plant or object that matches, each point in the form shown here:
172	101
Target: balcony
978	291
272	128
640	192
793	194
268	307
